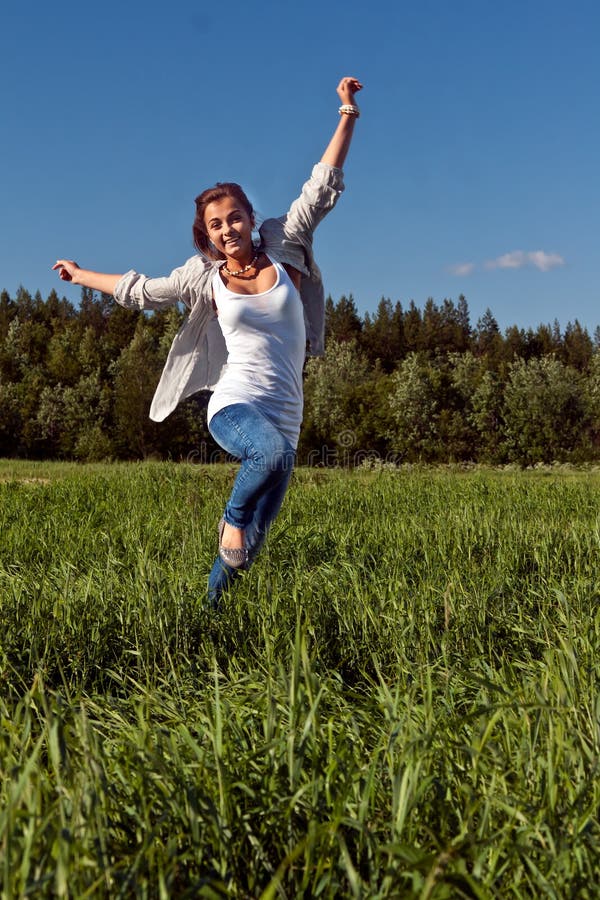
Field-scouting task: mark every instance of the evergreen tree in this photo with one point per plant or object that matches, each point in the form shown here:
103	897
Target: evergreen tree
578	347
383	335
446	329
431	330
8	310
413	324
463	319
515	343
540	342
487	340
118	331
95	310
342	322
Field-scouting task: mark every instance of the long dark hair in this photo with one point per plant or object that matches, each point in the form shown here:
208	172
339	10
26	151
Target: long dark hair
210	195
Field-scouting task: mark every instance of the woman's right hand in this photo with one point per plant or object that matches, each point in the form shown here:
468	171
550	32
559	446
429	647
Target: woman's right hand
66	268
97	281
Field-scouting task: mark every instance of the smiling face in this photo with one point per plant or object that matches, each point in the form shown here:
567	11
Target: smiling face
229	228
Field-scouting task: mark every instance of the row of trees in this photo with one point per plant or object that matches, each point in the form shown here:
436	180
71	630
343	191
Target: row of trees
401	384
393	332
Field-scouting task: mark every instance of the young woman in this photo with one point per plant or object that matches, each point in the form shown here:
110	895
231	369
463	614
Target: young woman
253	309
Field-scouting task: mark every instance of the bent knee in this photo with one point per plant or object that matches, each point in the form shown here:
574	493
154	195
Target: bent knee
278	457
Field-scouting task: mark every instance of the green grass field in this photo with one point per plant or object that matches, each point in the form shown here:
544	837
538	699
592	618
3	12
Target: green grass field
399	700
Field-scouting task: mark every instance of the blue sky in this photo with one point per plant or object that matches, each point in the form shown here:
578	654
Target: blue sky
473	169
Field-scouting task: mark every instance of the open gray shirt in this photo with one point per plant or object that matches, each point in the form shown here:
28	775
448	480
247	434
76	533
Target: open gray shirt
198	352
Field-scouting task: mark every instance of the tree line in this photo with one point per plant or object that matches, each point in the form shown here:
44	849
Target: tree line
400	384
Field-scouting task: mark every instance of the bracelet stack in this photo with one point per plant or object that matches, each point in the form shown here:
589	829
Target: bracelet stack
349	109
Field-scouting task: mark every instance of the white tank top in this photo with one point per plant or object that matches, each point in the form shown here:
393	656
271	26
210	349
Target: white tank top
266	344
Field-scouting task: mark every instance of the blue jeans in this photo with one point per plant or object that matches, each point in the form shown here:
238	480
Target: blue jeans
267	460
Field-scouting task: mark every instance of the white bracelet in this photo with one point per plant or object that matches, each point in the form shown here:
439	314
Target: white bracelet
349	109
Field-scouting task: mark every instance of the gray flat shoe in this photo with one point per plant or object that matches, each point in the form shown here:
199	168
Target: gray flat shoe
236	558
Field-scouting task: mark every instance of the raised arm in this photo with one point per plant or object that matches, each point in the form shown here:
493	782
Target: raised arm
337	149
97	281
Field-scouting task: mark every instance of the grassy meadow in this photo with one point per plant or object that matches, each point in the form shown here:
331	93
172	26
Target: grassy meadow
400	699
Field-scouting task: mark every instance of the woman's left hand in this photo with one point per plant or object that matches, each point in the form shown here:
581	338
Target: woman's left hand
347	88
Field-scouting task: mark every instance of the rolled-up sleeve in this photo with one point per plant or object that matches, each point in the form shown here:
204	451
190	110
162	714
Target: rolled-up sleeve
318	197
137	291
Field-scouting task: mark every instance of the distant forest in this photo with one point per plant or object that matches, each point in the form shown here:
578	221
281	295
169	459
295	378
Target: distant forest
402	384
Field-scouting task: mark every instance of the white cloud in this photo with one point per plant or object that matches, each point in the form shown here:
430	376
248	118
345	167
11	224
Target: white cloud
461	268
519	258
515	260
545	261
